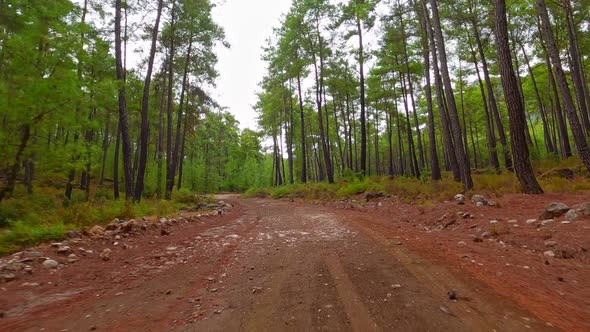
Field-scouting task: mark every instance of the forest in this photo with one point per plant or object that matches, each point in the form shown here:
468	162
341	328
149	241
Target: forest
107	106
451	87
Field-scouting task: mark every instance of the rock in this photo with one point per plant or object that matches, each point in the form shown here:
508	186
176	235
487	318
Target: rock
96	231
550	243
168	292
105	255
127	227
373	195
477	239
164	232
72	258
33	253
478	199
554	210
62	250
452	295
74	234
113	226
493	222
565	222
6	277
50	264
549	254
460	199
547	222
571	215
30	284
479	204
582	209
531	221
512	221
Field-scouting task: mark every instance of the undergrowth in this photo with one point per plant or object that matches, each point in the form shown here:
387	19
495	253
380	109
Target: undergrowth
27	220
486	181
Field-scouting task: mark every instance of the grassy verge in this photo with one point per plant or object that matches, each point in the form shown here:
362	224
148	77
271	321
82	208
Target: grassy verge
553	176
27	220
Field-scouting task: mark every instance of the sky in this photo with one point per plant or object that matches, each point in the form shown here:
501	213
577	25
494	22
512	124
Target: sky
247	24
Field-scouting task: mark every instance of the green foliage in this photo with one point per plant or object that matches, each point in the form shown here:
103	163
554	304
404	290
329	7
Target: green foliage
32	219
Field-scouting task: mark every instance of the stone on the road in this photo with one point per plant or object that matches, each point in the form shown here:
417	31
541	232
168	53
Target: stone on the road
554	210
50	264
105	255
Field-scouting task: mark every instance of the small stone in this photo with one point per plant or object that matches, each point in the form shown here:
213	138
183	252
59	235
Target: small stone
582	209
64	250
164	232
479	204
531	221
549	254
8	277
96	231
493	222
565	222
547	222
550	243
452	295
477	239
33	253
50	264
30	284
571	215
512	221
478	199
256	290
460	199
168	292
462	243
105	255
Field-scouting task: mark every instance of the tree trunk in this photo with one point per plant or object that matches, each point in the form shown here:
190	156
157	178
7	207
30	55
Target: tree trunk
491	136
363	102
568	102
123	124
171	173
435	174
453	116
447	137
493	104
145	105
546	132
303	146
576	66
522	163
170	106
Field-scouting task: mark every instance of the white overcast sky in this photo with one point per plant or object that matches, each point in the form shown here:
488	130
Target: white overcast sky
247	24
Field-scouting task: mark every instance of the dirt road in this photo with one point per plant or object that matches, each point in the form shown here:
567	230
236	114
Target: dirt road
266	266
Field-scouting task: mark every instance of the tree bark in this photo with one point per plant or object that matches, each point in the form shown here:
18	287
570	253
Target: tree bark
123	123
453	116
522	164
145	105
568	102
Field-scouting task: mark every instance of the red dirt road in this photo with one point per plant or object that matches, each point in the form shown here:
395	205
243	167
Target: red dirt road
278	265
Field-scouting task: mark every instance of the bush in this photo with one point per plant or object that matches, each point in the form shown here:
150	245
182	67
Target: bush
22	234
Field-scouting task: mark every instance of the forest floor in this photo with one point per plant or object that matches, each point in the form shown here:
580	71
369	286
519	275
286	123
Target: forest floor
271	265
